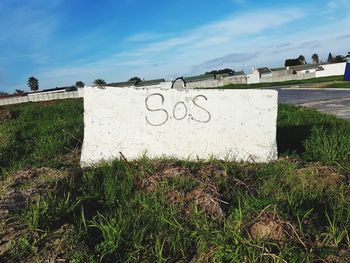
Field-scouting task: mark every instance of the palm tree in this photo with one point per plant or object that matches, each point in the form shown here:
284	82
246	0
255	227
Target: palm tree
99	82
18	91
80	84
137	79
315	58
33	84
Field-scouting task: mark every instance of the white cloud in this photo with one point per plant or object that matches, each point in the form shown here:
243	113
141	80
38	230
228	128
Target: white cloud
144	37
178	54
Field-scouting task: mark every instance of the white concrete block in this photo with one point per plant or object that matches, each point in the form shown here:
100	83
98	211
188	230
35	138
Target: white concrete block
189	124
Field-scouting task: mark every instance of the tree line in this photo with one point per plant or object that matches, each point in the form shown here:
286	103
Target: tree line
33	84
315	60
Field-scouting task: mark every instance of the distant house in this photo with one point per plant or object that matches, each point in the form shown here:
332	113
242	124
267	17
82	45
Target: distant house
151	82
122	84
239	77
222	75
307	68
57	89
200	78
264	72
257	74
239	73
135	83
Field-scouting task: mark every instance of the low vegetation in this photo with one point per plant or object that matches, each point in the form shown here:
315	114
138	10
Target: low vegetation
293	210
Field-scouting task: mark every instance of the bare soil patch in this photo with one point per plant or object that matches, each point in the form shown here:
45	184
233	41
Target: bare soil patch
204	195
17	192
8	115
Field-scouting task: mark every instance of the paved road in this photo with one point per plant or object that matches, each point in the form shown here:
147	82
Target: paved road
333	101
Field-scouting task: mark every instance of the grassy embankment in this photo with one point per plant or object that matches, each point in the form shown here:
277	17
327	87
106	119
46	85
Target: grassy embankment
295	209
325	82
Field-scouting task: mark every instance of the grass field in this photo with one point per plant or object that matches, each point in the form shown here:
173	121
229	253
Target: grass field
293	210
332	82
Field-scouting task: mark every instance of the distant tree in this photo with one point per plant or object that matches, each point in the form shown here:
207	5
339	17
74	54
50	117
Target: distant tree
221	71
330	58
99	82
339	59
302	59
315	58
18	91
80	84
292	62
33	84
137	79
3	93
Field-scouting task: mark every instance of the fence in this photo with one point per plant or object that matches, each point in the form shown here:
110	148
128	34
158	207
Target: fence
45	96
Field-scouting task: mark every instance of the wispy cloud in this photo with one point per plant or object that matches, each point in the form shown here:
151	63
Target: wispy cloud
262	37
224	61
144	37
177	55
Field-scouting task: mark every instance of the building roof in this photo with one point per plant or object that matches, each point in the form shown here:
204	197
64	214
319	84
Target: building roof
239	73
307	66
199	78
53	89
222	75
68	88
264	70
122	84
71	88
278	69
150	82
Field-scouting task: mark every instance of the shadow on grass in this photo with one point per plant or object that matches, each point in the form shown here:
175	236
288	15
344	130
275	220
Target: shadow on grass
290	139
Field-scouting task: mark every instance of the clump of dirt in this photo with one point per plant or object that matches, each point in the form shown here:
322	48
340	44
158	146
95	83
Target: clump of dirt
151	184
342	257
208	173
8	115
316	178
268	230
269	226
72	159
204	195
206	199
17	192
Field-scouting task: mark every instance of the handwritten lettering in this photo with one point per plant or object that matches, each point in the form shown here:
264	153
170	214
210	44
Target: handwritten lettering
209	115
179	111
174	111
156	110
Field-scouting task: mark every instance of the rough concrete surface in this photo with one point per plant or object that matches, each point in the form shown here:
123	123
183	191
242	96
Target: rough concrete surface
187	124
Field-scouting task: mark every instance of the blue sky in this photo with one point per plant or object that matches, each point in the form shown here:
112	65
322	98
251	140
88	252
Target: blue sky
62	41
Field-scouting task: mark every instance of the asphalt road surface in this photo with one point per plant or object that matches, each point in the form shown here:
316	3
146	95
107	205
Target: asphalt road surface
333	101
